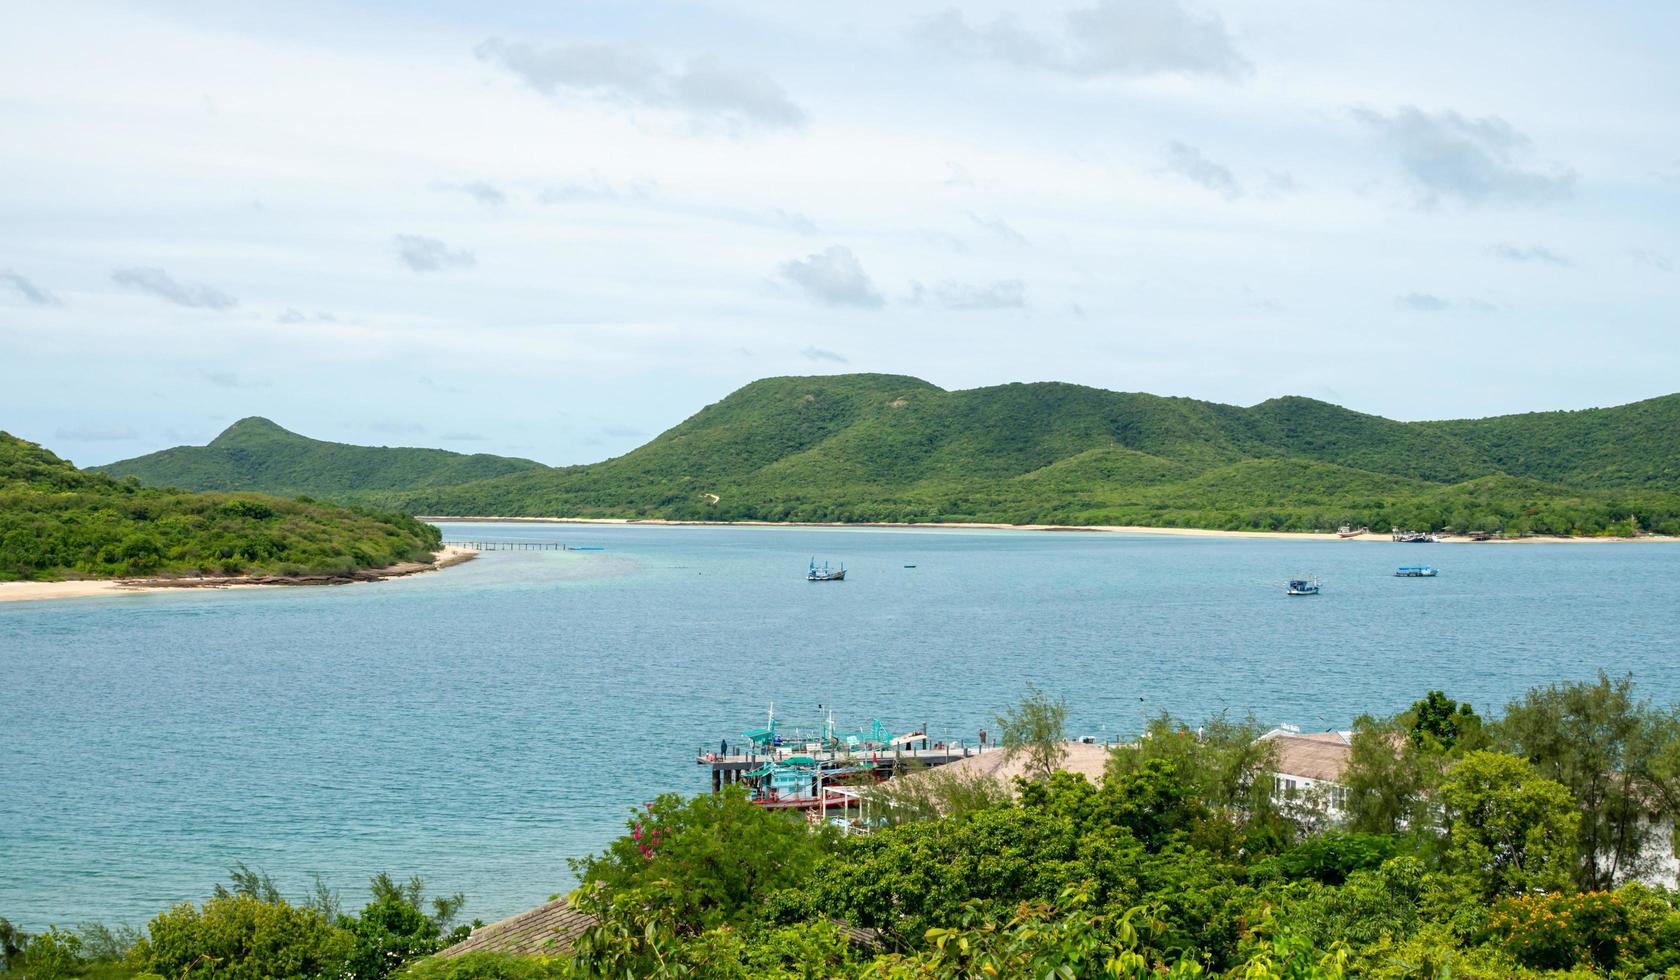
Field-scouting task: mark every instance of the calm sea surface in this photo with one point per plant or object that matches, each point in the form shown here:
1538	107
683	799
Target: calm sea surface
481	725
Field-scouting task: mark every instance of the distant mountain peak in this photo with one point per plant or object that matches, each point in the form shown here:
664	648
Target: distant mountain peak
251	428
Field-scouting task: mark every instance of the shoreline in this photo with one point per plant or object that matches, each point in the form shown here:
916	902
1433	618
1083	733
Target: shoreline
1188	532
90	588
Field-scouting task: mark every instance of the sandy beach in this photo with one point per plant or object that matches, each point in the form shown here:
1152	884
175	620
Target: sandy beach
87	588
1187	532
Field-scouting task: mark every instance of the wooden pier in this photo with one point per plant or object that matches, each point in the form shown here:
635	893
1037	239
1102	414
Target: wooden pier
513	546
727	769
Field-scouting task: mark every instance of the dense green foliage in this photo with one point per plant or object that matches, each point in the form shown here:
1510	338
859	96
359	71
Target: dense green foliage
60	522
249	932
871	447
256	454
1178	865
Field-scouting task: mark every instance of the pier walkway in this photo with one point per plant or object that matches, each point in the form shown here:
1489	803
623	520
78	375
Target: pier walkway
514	546
727	769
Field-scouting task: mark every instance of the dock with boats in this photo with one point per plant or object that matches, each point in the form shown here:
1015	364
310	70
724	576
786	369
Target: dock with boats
823	771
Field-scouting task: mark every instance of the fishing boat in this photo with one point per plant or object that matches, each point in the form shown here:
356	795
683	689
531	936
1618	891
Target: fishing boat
1303	586
1415	571
1346	531
825	573
1416	537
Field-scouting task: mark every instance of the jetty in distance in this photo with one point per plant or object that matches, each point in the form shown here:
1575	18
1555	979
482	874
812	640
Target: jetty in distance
514	546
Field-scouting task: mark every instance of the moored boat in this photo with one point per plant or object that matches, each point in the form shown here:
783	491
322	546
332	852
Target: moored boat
1416	537
1304	586
825	573
1415	571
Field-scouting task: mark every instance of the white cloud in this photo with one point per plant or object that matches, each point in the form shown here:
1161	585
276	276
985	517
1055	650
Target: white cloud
1004	294
1529	253
1475	161
833	277
1430	303
150	279
1652	259
1000	228
1190	163
820	354
38	295
423	254
482	191
1126	38
98	433
702	88
292	314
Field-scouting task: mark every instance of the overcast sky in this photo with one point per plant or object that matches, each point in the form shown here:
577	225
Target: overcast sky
555	229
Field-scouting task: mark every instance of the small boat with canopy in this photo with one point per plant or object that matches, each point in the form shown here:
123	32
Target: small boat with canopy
1303	586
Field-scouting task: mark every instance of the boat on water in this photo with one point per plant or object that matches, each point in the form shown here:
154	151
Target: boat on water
1303	586
1416	537
825	573
1415	571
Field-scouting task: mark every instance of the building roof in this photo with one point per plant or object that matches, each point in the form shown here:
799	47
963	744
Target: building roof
549	929
1082	758
1311	755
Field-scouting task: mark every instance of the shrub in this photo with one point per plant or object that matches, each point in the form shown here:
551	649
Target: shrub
1556	932
240	937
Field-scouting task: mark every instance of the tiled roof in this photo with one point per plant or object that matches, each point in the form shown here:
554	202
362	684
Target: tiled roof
549	929
1314	755
1081	758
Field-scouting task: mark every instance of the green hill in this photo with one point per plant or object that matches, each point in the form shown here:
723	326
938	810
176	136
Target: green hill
871	447
60	522
256	454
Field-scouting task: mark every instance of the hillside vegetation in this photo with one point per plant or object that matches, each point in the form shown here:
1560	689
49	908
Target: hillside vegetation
60	522
868	447
256	454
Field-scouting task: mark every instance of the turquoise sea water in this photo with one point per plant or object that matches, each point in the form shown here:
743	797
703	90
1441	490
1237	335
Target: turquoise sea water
480	725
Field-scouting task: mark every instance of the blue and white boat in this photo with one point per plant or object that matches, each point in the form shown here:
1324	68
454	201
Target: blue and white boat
825	574
1415	571
1303	586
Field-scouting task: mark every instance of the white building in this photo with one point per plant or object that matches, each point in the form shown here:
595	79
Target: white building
1307	771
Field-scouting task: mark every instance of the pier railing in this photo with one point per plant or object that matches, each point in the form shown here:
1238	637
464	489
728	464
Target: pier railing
509	545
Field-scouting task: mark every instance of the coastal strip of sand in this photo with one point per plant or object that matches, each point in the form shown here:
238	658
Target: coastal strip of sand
1188	532
88	588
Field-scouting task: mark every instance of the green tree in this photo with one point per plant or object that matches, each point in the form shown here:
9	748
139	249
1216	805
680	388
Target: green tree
1617	756
395	927
1509	827
1035	727
700	862
236	936
1390	780
1438	722
1225	763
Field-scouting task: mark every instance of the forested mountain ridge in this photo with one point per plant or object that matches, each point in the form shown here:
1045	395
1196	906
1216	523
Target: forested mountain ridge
256	454
893	448
60	522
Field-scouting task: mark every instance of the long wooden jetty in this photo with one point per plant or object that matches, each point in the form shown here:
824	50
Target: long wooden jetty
727	769
512	545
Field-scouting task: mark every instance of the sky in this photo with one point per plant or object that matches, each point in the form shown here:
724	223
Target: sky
553	230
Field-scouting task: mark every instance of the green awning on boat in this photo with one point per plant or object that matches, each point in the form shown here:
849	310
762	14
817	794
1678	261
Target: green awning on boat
759	735
799	760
